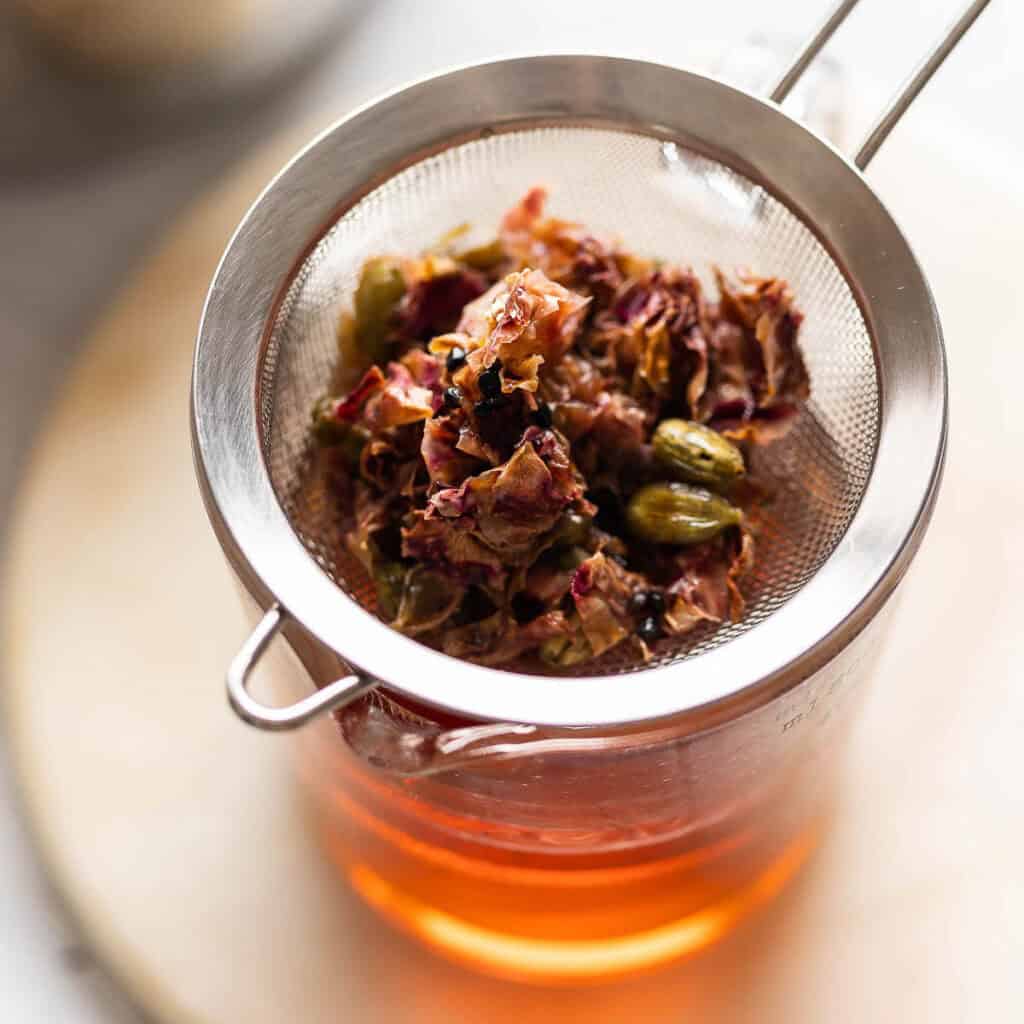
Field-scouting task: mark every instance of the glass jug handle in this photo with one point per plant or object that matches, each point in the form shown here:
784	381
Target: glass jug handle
395	740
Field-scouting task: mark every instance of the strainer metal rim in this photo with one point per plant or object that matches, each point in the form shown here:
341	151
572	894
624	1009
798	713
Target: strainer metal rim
746	133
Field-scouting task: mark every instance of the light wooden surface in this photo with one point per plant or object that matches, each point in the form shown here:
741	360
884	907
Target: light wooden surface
175	835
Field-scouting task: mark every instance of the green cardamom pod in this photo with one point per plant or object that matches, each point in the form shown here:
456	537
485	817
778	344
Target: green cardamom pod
691	451
563	651
677	513
381	286
389	580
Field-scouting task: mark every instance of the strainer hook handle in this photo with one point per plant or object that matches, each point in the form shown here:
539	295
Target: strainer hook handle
276	719
908	91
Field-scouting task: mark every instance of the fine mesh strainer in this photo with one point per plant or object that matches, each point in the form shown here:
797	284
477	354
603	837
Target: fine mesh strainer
665	200
675	165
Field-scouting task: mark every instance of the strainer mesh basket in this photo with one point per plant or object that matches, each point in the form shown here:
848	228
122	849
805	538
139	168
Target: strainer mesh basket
660	200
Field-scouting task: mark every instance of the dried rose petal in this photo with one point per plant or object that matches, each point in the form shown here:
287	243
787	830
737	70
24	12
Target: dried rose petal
758	376
434	305
513	408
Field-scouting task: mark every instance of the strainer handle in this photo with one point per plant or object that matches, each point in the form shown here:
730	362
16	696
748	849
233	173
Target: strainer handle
335	695
908	91
811	49
917	81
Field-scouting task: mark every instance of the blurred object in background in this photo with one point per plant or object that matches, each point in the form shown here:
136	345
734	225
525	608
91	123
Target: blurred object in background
116	34
82	79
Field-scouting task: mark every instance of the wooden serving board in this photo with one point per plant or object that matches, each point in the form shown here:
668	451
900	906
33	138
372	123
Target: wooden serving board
175	833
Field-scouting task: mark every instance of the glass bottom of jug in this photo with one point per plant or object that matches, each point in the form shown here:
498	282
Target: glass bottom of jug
564	960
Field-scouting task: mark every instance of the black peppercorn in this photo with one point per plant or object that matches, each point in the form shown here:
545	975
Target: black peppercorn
647	602
542	415
456	359
649	629
490	380
488	405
